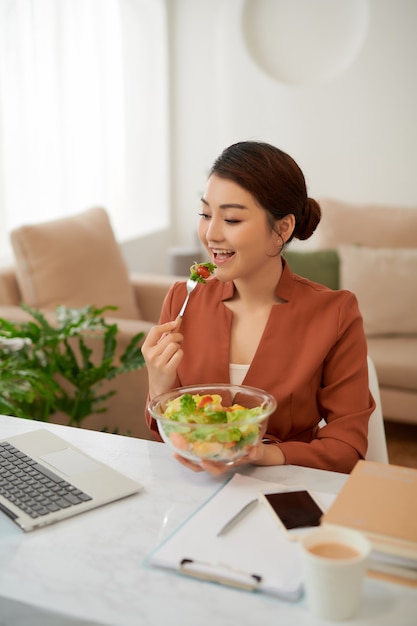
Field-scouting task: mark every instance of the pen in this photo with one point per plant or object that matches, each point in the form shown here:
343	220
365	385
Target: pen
236	518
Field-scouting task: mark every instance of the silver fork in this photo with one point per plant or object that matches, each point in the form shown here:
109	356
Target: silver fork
191	285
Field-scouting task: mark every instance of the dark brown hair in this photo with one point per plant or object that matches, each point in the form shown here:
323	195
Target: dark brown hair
274	180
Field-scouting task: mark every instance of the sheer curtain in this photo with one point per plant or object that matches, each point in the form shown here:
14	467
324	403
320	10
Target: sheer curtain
83	112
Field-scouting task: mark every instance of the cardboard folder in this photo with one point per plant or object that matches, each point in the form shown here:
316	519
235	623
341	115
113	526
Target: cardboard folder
380	501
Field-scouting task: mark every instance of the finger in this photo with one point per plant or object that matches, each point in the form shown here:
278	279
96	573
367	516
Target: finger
176	359
157	332
192	466
173	329
171	353
168	344
215	468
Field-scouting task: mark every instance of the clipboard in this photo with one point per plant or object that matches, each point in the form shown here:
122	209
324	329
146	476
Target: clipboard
255	556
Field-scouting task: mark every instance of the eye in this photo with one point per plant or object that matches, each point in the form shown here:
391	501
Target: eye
204	216
230	221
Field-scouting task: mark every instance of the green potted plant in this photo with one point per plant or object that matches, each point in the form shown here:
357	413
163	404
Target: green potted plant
48	368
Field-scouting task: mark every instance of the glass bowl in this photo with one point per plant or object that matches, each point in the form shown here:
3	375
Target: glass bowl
198	428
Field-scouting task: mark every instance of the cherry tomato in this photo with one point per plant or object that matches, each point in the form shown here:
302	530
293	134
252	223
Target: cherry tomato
203	271
204	400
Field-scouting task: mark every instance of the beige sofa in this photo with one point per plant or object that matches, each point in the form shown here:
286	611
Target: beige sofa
372	251
75	262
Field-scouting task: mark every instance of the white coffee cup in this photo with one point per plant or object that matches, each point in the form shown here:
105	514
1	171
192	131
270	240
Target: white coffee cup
334	564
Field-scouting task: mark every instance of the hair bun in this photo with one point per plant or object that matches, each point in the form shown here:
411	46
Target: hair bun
310	218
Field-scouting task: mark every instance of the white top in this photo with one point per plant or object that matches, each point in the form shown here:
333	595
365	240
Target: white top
93	567
237	373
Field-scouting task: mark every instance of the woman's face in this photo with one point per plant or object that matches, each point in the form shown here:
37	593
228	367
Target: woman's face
235	231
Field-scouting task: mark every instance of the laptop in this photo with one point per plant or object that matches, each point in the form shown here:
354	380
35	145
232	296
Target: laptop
44	479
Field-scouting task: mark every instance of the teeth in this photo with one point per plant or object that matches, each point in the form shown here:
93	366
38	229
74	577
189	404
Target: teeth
222	251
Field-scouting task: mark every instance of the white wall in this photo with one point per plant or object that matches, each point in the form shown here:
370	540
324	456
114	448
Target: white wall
355	135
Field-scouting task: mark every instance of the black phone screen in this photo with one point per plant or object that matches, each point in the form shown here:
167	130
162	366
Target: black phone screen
295	509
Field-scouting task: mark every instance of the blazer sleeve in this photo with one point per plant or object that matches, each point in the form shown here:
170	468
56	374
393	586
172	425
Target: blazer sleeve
344	400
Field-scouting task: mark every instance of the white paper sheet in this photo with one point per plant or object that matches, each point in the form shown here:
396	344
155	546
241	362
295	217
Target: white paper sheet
256	547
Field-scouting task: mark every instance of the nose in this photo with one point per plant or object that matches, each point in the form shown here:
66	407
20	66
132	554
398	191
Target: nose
214	230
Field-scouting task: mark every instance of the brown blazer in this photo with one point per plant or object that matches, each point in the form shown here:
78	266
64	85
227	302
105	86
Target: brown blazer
312	358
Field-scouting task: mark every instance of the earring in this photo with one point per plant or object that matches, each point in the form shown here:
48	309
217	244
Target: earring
280	243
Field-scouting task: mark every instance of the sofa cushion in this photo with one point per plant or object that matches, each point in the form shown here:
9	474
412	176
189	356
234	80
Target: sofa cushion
74	261
383	280
9	288
321	266
395	360
374	225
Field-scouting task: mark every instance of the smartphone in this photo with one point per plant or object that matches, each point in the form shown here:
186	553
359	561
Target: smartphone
293	510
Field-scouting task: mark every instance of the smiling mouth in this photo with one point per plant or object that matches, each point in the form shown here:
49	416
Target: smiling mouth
222	255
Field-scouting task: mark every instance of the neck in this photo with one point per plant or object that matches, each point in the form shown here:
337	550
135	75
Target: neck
259	288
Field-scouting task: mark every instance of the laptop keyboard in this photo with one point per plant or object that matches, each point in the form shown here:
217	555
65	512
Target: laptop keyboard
33	488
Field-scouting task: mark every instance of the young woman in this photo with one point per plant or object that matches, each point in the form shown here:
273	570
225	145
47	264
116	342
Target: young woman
256	323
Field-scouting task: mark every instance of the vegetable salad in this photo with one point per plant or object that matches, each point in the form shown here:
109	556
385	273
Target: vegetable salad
201	271
208	430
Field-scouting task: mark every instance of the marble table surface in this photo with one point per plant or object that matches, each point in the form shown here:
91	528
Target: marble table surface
92	569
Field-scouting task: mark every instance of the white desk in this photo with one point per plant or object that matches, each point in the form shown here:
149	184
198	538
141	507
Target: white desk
89	569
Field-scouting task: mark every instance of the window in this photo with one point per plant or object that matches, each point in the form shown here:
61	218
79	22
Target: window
83	112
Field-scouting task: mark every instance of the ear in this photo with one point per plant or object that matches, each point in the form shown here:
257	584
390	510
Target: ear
285	226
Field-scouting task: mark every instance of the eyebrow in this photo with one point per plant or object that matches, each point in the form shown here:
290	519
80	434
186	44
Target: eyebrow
230	205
